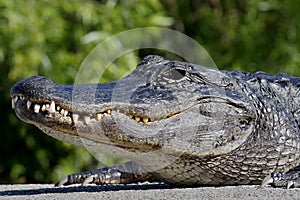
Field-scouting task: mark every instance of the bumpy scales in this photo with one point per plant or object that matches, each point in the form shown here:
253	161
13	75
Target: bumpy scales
179	123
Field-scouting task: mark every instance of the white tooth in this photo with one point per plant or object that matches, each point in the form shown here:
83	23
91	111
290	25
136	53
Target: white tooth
52	107
13	103
75	118
57	108
62	111
99	116
43	107
66	113
47	106
145	120
87	119
28	104
137	119
37	108
22	97
108	112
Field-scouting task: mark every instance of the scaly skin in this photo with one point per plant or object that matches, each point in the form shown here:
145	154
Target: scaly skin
180	123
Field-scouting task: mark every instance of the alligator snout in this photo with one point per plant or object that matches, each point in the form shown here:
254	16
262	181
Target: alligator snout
33	86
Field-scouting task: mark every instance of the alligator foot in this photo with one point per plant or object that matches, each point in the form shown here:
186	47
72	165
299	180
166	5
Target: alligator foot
128	172
290	179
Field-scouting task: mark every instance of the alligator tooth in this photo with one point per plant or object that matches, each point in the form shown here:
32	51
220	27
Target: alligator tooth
57	108
87	119
137	119
75	118
145	120
37	108
66	113
28	104
43	107
47	106
52	107
13	101
99	116
22	97
62	111
108	112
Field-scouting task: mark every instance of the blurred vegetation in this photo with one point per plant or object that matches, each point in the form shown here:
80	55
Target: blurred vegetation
51	38
246	35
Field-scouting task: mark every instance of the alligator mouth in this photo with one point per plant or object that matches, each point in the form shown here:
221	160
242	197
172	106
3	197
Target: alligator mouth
56	111
52	109
55	118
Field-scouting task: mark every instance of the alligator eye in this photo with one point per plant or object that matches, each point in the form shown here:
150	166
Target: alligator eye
174	74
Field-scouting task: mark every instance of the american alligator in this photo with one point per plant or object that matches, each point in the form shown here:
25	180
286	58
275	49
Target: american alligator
180	123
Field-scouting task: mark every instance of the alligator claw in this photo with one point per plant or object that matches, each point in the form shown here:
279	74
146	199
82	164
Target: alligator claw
88	180
65	181
290	184
268	180
61	182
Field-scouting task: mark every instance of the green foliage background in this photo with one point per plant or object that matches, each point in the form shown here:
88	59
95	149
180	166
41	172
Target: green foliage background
51	38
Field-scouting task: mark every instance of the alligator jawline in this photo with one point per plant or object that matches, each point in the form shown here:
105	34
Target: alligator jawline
55	111
51	109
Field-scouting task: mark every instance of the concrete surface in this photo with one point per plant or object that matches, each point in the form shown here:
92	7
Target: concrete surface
144	191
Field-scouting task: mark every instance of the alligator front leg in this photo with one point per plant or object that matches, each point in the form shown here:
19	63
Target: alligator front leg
129	172
283	179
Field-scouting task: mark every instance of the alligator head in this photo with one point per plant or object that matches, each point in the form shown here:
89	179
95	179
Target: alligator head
169	107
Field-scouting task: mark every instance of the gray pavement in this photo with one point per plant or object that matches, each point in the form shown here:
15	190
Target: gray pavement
144	191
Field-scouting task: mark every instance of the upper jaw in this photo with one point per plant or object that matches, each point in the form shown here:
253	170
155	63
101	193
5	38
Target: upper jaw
47	112
37	100
51	111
